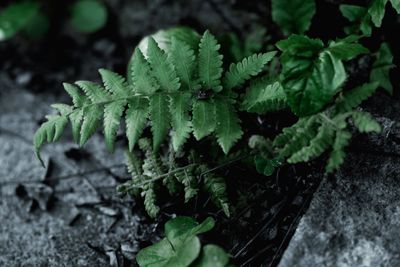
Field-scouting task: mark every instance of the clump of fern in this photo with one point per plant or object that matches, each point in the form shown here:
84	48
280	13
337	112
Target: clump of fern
182	91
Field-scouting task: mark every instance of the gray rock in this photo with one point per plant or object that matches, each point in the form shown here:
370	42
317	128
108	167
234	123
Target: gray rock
354	219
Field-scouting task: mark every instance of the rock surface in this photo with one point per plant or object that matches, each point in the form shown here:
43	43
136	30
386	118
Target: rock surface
354	218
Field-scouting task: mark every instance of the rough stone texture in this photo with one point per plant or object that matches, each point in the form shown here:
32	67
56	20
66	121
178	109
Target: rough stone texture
354	218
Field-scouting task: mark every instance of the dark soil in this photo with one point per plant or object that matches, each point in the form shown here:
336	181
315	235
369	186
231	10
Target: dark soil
267	209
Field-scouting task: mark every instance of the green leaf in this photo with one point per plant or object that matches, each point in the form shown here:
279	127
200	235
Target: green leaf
77	99
347	48
359	16
377	11
162	68
160	119
251	66
114	83
212	256
353	98
365	123
180	119
112	117
140	74
162	254
266	166
309	80
92	116
183	227
381	68
93	91
16	17
185	63
264	96
88	15
396	5
337	155
76	119
228	128
216	187
136	116
210	62
50	131
293	16
204	118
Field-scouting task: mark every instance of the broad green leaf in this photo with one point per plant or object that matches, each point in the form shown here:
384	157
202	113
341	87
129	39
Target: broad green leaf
163	254
360	18
210	62
293	16
183	227
114	83
185	63
264	96
112	117
251	66
92	116
140	74
16	17
135	119
160	119
309	79
162	68
381	68
88	15
180	119
228	128
204	119
212	256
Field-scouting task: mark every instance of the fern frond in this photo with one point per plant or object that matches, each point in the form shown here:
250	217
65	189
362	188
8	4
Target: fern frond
77	98
216	187
287	133
135	120
210	62
251	66
264	96
189	181
317	146
228	129
160	119
134	166
94	91
49	131
204	118
185	64
112	117
150	200
140	74
180	119
337	155
300	139
115	84
353	98
365	123
162	68
92	116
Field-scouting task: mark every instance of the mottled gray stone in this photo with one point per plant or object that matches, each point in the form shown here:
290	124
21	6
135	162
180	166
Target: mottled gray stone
354	217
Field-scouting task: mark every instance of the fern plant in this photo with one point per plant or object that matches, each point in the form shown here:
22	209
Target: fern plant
162	169
181	90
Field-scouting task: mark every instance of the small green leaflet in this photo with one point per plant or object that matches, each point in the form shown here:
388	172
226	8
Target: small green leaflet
293	16
139	74
135	120
210	62
203	118
381	68
160	119
180	119
365	123
347	48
